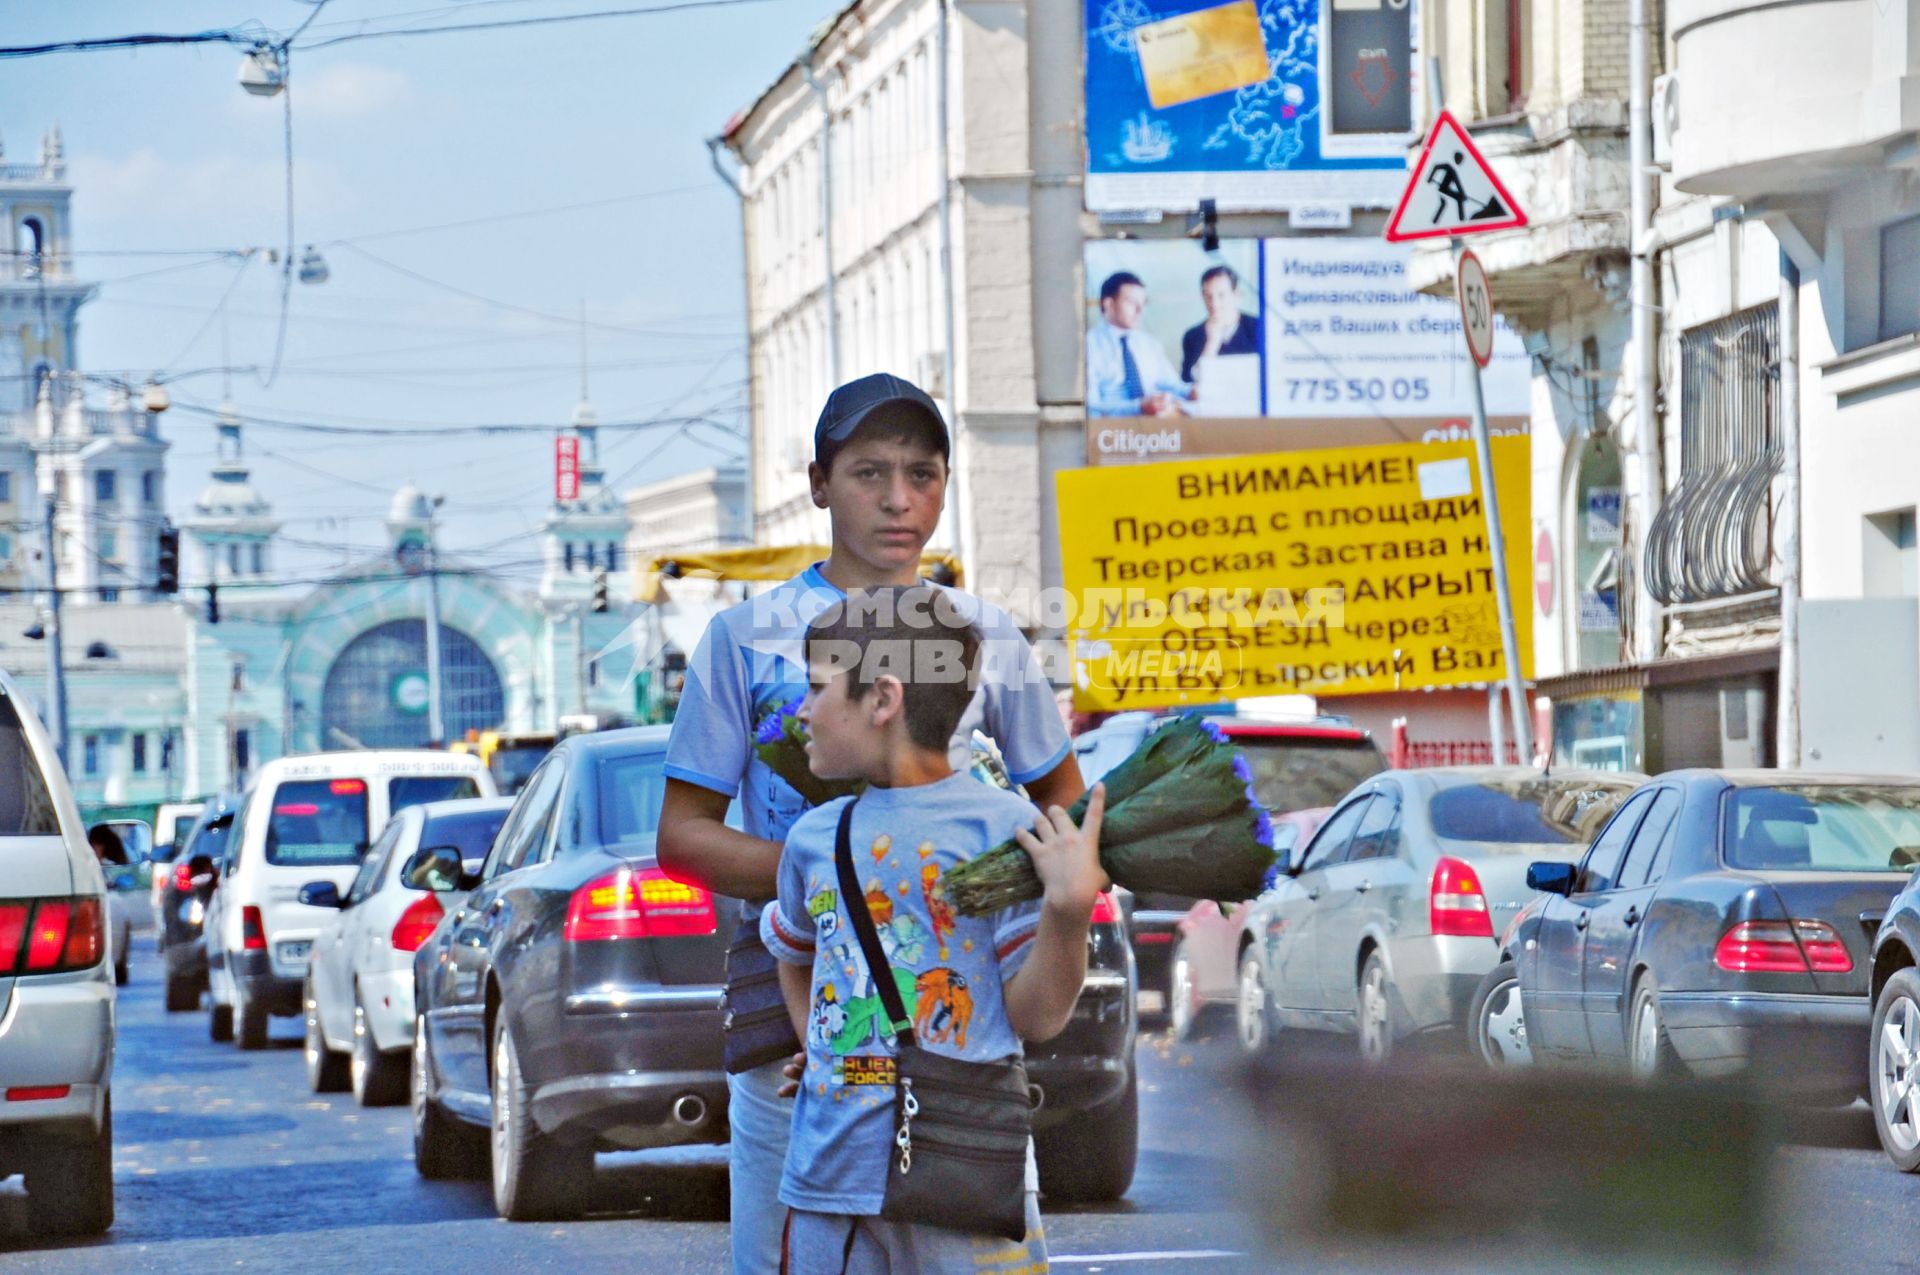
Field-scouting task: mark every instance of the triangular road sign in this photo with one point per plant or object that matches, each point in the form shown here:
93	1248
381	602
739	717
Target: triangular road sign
1452	190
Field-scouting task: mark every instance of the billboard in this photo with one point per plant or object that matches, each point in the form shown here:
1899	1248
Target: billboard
1340	571
1266	345
1259	105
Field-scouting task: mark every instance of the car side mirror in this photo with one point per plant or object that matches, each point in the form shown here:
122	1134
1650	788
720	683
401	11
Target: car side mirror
437	868
1551	878
321	894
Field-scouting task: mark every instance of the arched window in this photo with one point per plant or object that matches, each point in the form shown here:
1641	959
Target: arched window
233	559
566	551
32	246
259	558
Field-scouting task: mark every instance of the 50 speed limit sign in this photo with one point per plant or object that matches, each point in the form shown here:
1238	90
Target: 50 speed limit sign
1476	306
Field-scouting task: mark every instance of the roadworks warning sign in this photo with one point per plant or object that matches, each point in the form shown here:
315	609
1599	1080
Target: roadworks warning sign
1341	571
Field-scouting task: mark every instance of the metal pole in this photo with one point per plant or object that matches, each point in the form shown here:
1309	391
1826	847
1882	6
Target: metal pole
580	655
436	727
951	391
1789	707
1497	547
1495	731
826	219
56	668
1640	303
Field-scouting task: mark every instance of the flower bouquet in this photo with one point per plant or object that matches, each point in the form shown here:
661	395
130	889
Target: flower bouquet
1181	819
781	743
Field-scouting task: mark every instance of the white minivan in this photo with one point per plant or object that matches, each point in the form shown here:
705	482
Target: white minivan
305	819
56	988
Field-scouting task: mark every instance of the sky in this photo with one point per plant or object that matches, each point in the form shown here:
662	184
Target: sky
461	325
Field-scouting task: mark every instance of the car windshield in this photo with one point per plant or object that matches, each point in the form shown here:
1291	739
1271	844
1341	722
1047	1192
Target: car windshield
211	840
318	823
512	767
631	786
26	804
1505	814
471	831
1823	828
418	790
1299	774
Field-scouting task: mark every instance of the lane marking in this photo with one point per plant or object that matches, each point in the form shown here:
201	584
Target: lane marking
1161	1255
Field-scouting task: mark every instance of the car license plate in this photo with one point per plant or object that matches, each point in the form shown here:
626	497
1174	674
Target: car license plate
292	953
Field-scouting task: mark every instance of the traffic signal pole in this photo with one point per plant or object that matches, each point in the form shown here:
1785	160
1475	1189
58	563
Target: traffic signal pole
56	666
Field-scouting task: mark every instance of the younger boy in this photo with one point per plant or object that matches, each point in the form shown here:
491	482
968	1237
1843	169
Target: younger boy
890	673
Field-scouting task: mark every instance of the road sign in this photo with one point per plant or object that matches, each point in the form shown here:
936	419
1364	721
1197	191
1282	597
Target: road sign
566	467
1476	307
1452	190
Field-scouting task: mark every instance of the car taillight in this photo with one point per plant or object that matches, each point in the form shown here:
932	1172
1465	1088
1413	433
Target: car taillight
183	878
57	935
638	903
1782	947
1457	905
417	923
253	930
1104	913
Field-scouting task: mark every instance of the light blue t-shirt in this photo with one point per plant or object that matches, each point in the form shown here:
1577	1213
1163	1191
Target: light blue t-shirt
949	969
752	662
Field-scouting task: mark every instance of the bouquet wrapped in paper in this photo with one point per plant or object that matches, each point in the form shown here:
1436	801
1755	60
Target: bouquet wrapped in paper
1181	819
781	743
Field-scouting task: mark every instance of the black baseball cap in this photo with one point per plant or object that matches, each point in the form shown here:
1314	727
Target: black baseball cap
856	402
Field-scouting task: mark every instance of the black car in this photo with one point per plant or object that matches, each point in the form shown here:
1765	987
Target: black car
572	1002
1720	924
1893	1061
187	884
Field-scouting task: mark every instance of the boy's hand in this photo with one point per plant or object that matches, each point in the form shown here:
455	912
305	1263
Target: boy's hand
1066	858
795	1069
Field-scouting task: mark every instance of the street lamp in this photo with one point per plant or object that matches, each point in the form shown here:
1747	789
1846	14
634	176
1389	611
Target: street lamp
263	72
313	266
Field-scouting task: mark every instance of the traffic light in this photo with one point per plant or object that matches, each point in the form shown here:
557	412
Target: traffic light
167	560
213	604
600	605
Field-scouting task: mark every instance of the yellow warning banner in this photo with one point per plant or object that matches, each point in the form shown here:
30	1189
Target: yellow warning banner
1341	571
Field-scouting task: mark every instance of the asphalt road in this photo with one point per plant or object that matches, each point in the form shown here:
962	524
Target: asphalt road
226	1161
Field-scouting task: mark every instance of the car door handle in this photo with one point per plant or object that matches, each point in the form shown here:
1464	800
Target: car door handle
1363	887
1580	922
1632	917
1314	892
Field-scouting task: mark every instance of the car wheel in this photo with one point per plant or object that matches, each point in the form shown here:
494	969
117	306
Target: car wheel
1650	1056
326	1068
1499	1029
378	1079
443	1147
1894	1069
1374	1011
1183	1006
1252	1008
1090	1159
220	1023
250	1025
182	995
120	972
534	1178
70	1183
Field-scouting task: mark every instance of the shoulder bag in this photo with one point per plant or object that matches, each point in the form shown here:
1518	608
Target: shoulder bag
959	1157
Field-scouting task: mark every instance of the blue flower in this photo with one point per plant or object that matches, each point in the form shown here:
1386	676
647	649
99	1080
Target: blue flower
1262	828
1214	732
774	727
1242	771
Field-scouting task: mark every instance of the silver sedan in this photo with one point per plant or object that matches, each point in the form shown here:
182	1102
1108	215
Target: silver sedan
359	992
1387	922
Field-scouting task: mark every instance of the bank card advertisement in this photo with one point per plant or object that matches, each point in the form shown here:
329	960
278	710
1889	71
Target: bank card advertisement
1267	345
1255	104
1338	571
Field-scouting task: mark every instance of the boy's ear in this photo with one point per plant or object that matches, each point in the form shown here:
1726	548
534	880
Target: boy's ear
888	697
817	481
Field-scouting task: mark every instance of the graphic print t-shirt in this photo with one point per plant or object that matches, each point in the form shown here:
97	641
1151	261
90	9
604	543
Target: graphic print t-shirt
751	663
949	969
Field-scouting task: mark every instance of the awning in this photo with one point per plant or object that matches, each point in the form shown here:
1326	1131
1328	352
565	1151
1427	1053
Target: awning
1615	678
757	562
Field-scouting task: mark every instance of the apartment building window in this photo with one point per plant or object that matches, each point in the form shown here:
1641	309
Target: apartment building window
109	595
259	559
109	545
233	559
90	755
1713	535
6	488
103	486
6	547
1900	278
1519	52
1889	563
149	487
139	753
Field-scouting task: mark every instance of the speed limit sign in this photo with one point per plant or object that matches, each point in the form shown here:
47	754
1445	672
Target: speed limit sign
1476	306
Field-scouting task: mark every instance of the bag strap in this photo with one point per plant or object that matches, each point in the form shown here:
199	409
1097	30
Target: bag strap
856	903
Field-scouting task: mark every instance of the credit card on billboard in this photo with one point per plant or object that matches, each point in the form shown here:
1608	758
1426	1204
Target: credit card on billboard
1199	54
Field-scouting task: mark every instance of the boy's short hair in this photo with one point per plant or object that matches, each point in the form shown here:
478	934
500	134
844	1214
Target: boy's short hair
1110	287
917	635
